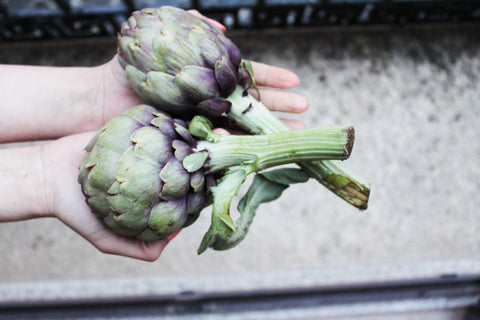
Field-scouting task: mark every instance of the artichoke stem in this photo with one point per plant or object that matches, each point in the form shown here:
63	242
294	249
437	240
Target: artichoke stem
260	152
253	116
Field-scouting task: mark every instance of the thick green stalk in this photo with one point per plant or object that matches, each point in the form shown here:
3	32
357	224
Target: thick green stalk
260	152
253	116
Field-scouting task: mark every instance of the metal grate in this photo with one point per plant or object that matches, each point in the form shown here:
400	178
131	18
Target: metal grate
47	19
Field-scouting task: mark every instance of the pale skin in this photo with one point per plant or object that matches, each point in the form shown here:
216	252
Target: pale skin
67	105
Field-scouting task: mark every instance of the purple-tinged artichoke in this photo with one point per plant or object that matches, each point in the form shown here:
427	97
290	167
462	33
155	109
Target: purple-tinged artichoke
178	62
147	174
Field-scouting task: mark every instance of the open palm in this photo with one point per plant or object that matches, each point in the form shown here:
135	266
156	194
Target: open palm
67	202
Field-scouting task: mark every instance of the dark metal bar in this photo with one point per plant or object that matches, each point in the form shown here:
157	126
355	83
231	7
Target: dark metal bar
18	23
224	303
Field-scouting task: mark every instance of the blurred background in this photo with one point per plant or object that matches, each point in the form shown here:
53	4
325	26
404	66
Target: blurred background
405	74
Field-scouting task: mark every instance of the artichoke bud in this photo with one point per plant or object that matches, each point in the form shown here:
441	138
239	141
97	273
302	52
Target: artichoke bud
133	177
201	127
196	83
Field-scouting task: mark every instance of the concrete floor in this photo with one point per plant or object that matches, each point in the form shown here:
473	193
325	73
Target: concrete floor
412	95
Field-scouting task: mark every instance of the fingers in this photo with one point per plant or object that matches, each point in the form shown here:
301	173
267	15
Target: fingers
294	124
282	101
105	240
221	131
111	243
108	242
275	77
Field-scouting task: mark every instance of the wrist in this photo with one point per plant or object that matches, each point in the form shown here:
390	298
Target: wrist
23	184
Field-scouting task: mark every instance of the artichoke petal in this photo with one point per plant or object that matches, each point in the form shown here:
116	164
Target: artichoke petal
168	216
150	235
128	215
172	45
142	113
197	181
176	180
147	18
196	83
211	48
226	75
102	163
185	134
160	89
234	53
117	132
169	14
139	53
165	125
137	178
99	205
195	204
182	149
195	161
151	145
114	188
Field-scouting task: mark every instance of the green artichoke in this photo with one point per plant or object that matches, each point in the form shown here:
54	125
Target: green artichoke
133	176
148	175
182	64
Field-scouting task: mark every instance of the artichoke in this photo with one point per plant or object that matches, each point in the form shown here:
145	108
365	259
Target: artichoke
147	174
178	62
184	65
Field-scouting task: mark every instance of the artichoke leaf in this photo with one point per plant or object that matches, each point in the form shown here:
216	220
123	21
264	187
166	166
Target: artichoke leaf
137	178
117	132
196	83
195	161
197	181
168	216
151	145
222	225
266	187
175	178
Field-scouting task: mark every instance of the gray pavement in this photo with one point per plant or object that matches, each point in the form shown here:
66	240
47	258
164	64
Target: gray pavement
412	95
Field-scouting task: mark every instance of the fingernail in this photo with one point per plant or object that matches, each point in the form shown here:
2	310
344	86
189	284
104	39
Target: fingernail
218	25
170	238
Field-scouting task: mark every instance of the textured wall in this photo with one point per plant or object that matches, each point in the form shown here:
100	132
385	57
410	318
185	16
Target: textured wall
413	96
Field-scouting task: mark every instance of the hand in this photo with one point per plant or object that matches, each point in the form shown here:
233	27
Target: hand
65	200
118	96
